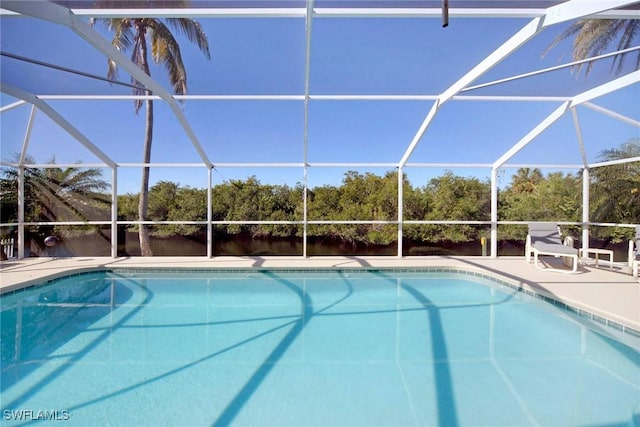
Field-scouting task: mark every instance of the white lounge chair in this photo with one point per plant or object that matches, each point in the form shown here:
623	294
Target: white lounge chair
634	253
544	239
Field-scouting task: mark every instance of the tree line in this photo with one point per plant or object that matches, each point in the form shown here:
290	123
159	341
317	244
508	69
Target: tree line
530	196
76	194
364	197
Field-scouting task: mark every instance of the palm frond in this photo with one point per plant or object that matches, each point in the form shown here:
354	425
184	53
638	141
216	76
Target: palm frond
629	34
566	34
166	50
121	40
593	37
193	31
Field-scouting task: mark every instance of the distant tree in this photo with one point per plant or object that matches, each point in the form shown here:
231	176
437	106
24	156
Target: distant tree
556	197
615	194
592	37
249	200
190	205
369	196
128	207
362	196
162	200
526	180
288	207
54	194
456	198
323	204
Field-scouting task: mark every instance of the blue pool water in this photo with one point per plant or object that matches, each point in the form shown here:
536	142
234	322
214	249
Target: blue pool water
307	349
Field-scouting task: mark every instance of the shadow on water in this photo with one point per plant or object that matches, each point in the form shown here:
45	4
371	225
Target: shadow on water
187	365
447	412
444	386
55	313
67	325
236	404
446	402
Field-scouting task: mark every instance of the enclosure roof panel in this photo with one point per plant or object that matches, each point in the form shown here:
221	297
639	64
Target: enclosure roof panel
367	87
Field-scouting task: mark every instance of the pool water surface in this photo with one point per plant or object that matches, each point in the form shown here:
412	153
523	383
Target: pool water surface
341	348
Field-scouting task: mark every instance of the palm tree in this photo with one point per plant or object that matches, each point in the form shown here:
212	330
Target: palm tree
54	194
593	37
616	188
151	35
526	180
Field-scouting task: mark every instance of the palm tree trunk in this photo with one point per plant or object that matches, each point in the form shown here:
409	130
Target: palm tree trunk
145	243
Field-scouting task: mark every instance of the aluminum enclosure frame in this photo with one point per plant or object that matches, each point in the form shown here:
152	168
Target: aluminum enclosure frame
540	19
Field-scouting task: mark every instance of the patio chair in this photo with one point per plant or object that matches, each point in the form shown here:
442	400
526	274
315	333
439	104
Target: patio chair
634	253
544	239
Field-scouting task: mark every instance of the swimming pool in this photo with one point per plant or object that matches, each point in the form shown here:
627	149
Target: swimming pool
356	348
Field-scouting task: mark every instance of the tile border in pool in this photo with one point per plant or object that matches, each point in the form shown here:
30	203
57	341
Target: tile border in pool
235	270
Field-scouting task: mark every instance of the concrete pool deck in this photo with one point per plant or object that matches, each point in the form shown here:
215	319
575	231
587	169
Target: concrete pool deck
612	294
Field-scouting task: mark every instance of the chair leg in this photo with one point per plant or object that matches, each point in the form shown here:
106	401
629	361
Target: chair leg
574	258
536	260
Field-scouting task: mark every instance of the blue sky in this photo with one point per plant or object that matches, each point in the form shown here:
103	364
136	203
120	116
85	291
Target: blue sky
349	56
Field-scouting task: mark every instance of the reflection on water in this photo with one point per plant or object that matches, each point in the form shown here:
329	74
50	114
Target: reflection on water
55	315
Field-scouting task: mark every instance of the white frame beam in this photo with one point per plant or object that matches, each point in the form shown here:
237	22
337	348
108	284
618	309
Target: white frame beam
573	9
585	181
60	15
541	127
114	212
614	162
586	96
563	12
605	88
576	125
611	114
614	12
27	136
59	120
12	105
305	135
